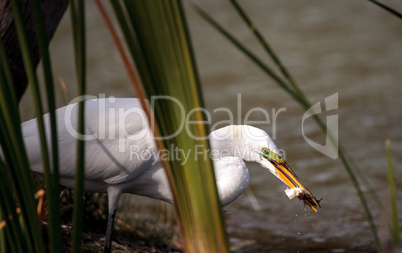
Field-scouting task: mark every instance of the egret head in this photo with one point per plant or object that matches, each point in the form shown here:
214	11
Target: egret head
255	145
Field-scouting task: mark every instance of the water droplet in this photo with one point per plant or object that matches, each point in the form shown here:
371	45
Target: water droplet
298	233
313	225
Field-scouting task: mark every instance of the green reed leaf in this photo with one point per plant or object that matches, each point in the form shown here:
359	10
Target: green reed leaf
51	178
395	231
296	93
157	36
78	23
387	8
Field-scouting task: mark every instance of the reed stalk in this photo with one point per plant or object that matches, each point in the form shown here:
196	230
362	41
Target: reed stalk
287	83
157	37
78	24
394	229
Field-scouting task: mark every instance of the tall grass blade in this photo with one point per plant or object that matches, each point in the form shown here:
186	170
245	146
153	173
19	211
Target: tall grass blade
307	105
78	23
292	89
247	52
387	8
7	208
158	40
17	160
11	229
271	53
51	179
3	240
395	231
10	144
346	160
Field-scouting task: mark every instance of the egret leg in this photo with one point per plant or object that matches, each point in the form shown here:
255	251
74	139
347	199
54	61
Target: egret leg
41	197
113	197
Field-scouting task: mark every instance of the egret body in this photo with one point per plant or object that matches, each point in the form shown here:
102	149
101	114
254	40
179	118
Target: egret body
118	139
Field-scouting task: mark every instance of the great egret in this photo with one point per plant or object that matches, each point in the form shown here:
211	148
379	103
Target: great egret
121	155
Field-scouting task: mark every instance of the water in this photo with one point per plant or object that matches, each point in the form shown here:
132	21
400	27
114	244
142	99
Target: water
350	47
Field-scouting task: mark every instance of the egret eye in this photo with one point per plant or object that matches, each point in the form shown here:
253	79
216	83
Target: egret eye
265	150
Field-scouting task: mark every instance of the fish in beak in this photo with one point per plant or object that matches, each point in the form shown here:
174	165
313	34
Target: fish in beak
286	174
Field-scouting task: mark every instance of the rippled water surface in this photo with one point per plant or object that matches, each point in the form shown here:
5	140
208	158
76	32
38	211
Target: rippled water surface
352	48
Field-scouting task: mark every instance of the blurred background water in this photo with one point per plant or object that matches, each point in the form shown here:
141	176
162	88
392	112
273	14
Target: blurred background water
352	48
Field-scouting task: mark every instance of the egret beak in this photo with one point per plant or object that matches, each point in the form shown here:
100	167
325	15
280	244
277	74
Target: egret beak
286	174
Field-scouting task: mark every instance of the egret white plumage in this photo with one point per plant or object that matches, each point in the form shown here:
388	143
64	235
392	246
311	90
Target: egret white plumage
120	155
